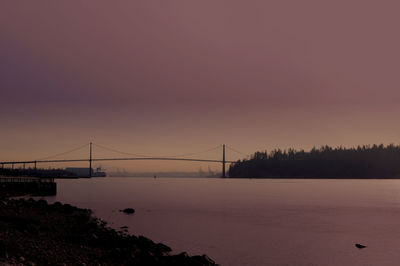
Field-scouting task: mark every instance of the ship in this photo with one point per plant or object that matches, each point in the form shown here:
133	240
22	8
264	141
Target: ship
99	172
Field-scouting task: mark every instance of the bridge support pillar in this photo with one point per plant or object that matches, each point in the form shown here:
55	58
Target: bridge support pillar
223	161
90	161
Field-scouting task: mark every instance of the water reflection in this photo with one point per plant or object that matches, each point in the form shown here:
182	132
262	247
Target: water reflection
252	221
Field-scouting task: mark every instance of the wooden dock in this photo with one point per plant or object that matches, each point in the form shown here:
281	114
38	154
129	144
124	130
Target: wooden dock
29	185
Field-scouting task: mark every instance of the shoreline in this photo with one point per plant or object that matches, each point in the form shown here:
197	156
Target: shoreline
320	178
33	232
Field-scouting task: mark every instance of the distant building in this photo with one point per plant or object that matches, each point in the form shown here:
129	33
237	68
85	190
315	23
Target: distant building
79	171
84	171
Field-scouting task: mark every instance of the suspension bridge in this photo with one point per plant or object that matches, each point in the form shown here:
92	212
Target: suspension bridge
137	157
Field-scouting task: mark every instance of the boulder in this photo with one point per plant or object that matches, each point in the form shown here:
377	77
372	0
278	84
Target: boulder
128	211
360	246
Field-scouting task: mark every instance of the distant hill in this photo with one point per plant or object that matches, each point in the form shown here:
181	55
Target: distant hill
376	161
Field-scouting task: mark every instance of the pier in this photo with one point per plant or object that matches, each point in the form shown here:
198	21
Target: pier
30	185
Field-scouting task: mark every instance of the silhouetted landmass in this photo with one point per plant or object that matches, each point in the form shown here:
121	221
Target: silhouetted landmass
377	161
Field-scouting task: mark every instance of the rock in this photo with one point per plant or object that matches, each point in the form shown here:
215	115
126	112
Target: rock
57	204
360	246
3	250
128	211
162	248
183	255
41	202
49	234
204	260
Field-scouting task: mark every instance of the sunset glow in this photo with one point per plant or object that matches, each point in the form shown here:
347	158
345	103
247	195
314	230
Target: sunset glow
152	77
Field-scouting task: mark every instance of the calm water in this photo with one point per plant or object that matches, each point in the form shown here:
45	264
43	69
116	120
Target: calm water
253	222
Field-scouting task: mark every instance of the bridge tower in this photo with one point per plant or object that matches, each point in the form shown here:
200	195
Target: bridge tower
223	161
90	161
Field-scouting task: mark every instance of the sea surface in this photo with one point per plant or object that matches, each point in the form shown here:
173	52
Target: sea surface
300	222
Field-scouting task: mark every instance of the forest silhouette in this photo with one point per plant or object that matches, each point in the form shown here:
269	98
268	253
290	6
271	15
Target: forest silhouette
376	161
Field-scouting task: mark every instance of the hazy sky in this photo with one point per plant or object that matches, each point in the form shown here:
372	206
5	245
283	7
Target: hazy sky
170	77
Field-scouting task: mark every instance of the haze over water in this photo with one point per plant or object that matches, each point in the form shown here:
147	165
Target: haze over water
253	221
156	77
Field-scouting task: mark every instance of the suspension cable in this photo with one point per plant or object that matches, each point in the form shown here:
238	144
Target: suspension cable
121	152
195	153
169	156
242	153
63	153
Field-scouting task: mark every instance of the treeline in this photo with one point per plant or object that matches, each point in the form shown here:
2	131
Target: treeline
376	161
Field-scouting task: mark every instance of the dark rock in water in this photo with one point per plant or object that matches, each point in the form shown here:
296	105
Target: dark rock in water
184	259
128	211
360	246
204	260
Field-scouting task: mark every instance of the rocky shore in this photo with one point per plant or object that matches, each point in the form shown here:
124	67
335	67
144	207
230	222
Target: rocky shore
37	233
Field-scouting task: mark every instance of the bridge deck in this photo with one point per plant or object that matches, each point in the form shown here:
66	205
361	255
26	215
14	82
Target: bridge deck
116	159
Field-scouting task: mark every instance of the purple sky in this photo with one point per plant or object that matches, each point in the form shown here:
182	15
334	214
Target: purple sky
170	77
